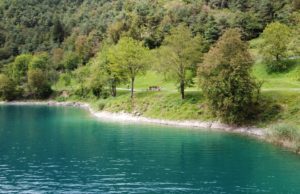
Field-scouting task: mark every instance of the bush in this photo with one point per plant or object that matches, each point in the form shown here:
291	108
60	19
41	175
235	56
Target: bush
41	61
279	66
7	88
71	61
101	105
38	84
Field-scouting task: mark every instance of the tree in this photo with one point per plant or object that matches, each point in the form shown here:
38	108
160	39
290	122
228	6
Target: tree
131	56
212	32
81	75
97	83
20	67
179	52
38	85
83	48
249	23
274	48
58	32
113	72
115	30
226	81
71	61
296	4
40	60
57	57
7	88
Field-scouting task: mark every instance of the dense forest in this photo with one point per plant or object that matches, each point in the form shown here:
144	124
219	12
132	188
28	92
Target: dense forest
36	26
94	46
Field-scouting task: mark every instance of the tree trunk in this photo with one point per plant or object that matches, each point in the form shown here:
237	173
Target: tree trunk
277	58
113	89
132	86
182	89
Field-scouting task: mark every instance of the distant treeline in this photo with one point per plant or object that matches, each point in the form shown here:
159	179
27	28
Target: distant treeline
42	25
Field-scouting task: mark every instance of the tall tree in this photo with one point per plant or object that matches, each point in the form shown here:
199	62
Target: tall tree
131	56
212	32
58	32
226	81
179	53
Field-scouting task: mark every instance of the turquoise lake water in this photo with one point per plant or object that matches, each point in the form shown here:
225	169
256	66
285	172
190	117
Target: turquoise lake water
65	150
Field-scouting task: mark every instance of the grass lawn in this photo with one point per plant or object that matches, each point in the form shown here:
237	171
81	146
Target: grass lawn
281	91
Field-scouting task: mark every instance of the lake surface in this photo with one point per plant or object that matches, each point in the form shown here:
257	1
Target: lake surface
55	149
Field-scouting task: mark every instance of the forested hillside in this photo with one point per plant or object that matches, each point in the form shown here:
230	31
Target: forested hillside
95	50
43	25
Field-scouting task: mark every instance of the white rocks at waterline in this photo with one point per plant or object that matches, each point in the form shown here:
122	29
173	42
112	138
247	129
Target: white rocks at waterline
137	118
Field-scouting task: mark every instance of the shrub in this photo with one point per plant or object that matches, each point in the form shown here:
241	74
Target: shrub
279	66
71	61
101	105
40	61
38	85
7	88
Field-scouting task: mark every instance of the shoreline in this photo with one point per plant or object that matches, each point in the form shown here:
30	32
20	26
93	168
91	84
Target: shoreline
130	118
262	134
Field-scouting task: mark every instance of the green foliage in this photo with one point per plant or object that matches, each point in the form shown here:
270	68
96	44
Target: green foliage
179	54
249	23
65	78
71	61
7	88
58	32
38	86
97	84
39	61
286	132
32	26
57	58
212	31
20	67
226	80
274	48
131	57
109	71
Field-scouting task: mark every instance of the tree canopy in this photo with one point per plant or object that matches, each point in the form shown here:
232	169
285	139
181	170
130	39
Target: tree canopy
275	46
180	54
226	80
131	56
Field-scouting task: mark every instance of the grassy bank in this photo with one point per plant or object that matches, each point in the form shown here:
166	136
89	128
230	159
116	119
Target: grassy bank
279	106
280	102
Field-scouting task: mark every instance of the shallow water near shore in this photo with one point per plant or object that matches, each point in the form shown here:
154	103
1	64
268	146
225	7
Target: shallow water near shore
64	149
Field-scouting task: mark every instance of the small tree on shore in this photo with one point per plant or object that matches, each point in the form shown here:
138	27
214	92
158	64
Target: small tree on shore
180	51
111	71
226	81
275	45
131	56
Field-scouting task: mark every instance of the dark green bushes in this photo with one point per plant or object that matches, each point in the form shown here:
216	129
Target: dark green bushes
280	66
7	88
38	86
